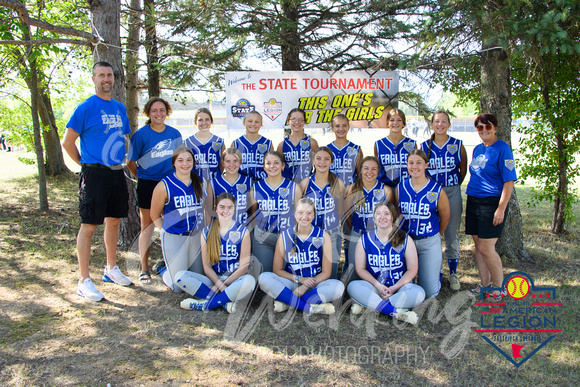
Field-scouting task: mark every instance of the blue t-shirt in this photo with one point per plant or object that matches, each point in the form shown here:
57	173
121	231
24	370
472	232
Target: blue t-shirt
153	151
393	159
444	161
307	258
344	165
253	156
490	168
101	126
385	262
230	248
240	189
419	208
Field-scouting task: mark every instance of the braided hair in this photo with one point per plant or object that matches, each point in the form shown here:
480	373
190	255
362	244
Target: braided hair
214	240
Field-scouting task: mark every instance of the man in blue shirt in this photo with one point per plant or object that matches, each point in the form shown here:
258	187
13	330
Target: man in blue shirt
101	124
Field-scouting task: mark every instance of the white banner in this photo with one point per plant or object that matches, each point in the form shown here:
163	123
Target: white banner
365	100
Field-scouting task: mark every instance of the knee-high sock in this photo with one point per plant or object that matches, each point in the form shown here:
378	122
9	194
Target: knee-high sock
204	292
385	307
289	298
452	265
311	297
218	300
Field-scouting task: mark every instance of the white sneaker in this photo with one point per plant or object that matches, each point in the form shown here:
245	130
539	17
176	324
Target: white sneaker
193	304
87	289
454	282
280	306
327	308
115	275
357	309
406	316
230	307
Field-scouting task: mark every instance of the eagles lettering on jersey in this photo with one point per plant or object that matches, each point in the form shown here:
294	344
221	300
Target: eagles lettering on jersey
363	220
253	156
240	189
385	262
275	205
393	159
297	159
231	247
327	216
207	156
183	211
419	208
344	165
444	161
306	261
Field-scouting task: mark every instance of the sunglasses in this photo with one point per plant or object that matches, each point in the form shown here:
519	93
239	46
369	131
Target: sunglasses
481	127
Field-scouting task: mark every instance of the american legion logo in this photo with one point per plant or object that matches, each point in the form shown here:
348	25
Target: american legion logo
520	320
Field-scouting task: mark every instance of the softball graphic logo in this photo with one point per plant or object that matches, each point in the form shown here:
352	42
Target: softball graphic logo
518	287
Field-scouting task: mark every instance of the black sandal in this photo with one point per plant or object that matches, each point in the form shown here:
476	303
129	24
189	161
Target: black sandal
145	277
477	290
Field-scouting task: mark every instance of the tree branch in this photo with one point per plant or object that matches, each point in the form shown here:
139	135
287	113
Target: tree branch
23	13
45	41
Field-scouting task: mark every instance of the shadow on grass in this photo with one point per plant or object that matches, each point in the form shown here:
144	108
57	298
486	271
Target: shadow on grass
140	336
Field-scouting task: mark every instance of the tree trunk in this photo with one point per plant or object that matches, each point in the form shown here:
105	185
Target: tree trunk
33	80
496	99
561	198
131	65
153	82
55	164
107	23
291	39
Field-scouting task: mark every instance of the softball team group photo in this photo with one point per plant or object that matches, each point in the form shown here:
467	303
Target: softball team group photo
303	222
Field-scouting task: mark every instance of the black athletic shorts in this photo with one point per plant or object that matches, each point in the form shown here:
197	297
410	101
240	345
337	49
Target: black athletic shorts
145	192
479	217
102	194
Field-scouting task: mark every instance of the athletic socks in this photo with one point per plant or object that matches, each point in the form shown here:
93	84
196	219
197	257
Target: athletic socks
452	265
218	300
204	292
311	297
289	298
385	307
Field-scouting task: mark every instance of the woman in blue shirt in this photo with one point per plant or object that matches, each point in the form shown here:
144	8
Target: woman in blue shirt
489	190
149	157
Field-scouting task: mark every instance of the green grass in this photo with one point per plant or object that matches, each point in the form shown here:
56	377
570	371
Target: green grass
140	336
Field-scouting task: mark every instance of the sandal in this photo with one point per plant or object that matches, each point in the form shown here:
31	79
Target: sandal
476	291
145	277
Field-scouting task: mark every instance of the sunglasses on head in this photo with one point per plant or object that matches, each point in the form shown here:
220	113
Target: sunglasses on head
480	127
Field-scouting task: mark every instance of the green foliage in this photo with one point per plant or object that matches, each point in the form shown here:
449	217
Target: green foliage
542	39
16	121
